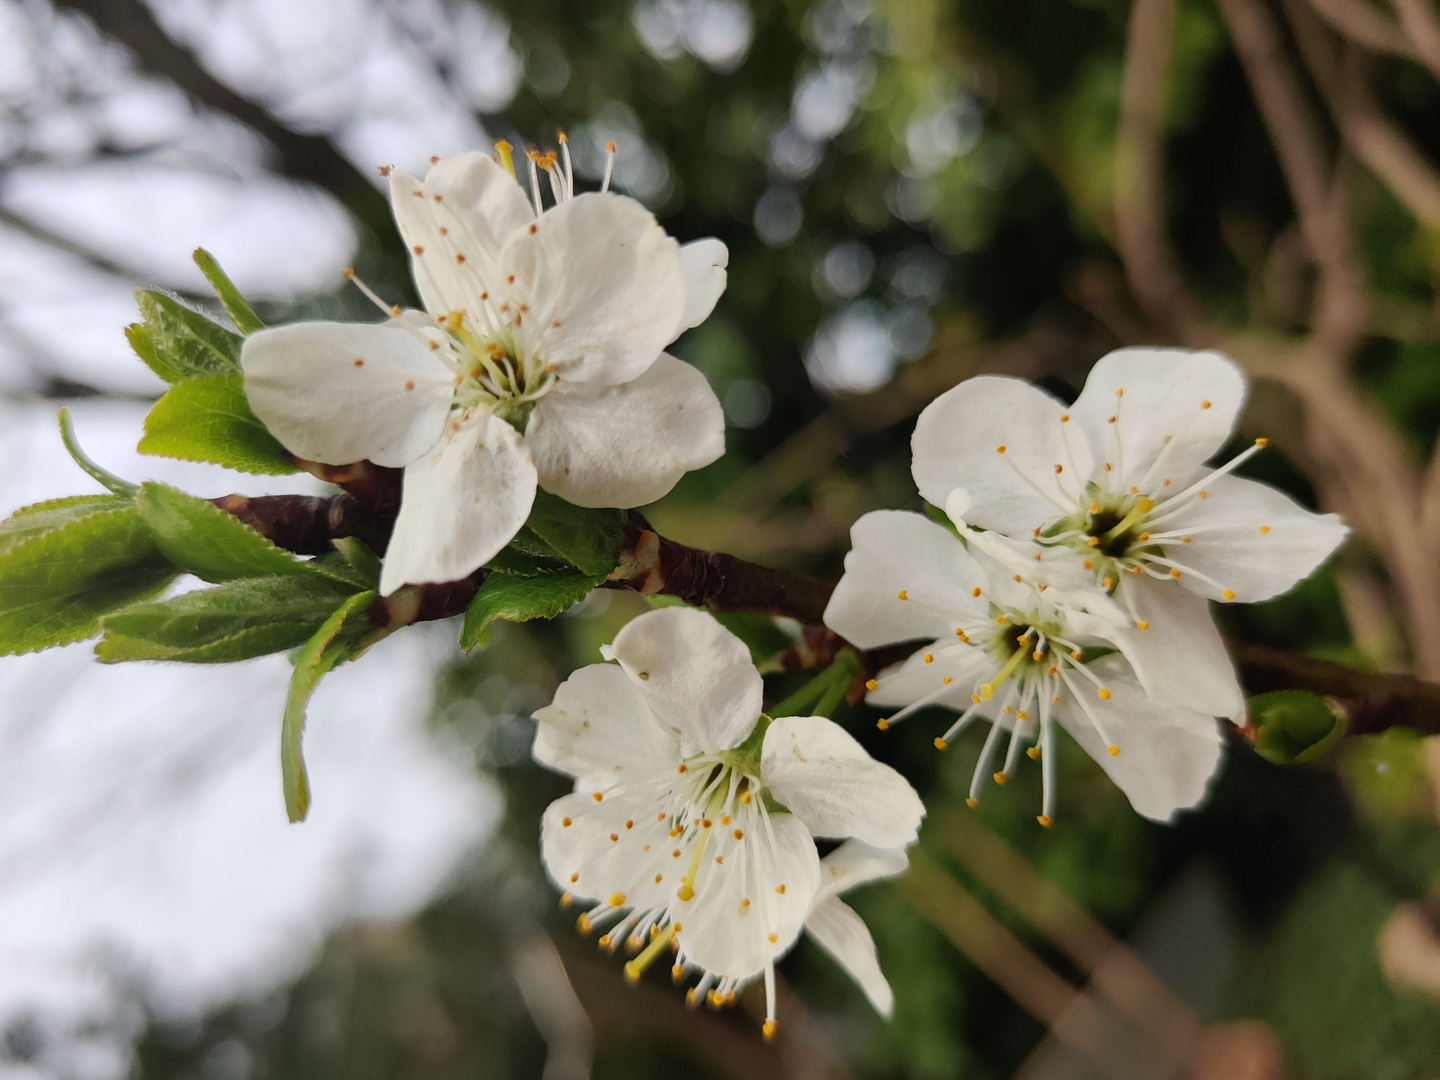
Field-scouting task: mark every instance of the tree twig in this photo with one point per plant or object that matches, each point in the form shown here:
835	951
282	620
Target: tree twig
1364	25
1422	27
1139	169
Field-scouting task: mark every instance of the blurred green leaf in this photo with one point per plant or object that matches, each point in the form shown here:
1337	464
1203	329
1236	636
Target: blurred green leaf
57	584
236	306
235	621
592	540
759	633
520	599
201	539
1386	775
1295	725
209	419
178	342
340	637
353	562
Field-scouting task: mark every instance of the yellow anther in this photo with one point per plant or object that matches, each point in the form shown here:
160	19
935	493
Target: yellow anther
1203	494
961	634
1000	778
975	592
1204	404
603	942
1064	418
659	878
1111	419
677	973
1228	594
583	923
975	699
1114	750
780	888
1134	490
565	900
682	767
617	899
565	822
972	803
614	837
1165	482
1107	466
1174	573
1109	582
1089	564
1059	468
1044	820
739	834
724	819
745	797
1142	625
1262	442
903	594
1000	449
773	938
1021	714
744	903
871	684
1120	392
1186	539
947	680
1103	694
1032	752
1094	508
1000	620
1075	655
598	796
685	892
1264	529
1093	541
768	1030
929	658
705	823
941	744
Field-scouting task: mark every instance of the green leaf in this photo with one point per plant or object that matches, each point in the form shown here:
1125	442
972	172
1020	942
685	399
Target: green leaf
201	539
518	563
39	518
592	540
104	477
178	342
341	636
236	306
55	585
209	419
520	599
234	621
353	562
1295	725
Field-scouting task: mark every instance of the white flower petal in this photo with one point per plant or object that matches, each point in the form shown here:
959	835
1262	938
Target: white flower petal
1237	555
603	286
1187	399
696	676
729	937
914	678
626	445
838	930
895	552
703	264
817	769
600	730
454	248
956	444
462	501
343	392
854	863
1167	754
1179	657
582	859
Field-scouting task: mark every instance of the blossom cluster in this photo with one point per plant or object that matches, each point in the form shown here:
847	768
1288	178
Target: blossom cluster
1064	577
1071	581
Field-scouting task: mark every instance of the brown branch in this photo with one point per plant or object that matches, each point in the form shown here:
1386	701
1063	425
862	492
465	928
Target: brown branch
1364	25
1320	202
1421	25
1140	169
303	157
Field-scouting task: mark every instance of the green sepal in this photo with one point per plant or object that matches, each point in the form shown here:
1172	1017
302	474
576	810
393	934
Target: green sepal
56	584
43	517
235	621
520	599
236	306
177	342
201	539
938	515
209	419
1295	725
341	637
102	476
590	540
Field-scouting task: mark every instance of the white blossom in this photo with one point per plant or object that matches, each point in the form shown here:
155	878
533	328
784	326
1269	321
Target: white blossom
538	358
1119	481
998	648
693	821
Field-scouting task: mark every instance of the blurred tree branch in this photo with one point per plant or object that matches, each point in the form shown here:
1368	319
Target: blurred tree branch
311	158
1360	22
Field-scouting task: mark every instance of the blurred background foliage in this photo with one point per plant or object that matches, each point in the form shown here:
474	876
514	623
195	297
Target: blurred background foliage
913	192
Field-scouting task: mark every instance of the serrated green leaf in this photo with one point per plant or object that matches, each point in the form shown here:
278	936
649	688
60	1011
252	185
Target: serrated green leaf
236	306
364	564
520	599
55	585
42	517
235	621
209	419
204	540
591	540
341	636
512	560
178	342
